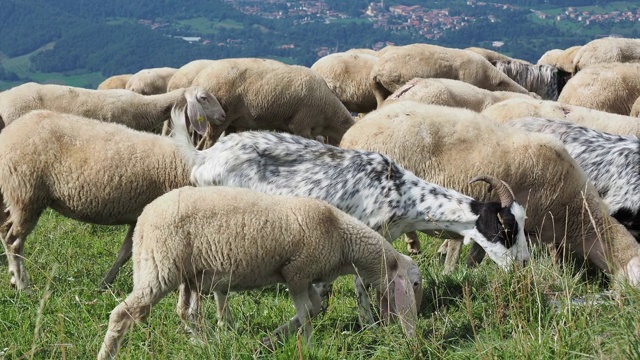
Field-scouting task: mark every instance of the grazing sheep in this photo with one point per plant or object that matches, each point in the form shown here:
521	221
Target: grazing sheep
364	184
635	109
607	50
115	82
89	171
563	61
492	56
268	94
448	145
399	64
606	87
449	92
151	81
612	163
118	106
544	80
599	120
347	75
221	239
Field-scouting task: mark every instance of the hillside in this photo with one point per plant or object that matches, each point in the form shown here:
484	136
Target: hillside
80	43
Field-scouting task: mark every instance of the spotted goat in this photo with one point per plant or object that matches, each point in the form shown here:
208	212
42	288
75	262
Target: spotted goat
367	185
611	162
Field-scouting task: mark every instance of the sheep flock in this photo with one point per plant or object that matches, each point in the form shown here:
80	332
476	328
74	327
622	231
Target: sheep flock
268	173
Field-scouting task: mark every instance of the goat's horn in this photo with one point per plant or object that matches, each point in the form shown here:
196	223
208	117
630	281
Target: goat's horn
504	191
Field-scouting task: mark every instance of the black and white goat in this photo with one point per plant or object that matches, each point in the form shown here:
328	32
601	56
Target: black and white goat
544	80
611	162
367	185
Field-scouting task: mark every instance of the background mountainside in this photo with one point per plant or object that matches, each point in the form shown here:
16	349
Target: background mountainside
79	42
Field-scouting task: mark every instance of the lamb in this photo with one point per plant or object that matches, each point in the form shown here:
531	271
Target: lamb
607	50
95	172
119	106
399	64
606	87
364	184
612	163
203	239
449	92
446	145
151	81
268	94
347	75
115	82
544	80
599	120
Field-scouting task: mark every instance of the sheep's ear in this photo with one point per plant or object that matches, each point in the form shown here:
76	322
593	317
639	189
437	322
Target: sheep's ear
196	115
405	306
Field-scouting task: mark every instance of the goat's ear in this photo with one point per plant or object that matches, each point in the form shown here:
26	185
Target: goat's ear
196	115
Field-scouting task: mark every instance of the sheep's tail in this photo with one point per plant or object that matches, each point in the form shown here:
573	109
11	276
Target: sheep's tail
182	139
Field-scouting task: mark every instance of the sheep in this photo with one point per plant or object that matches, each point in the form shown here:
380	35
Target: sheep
446	145
544	80
268	94
366	185
115	82
612	163
599	120
635	109
120	106
90	171
347	75
449	92
204	239
151	81
607	50
400	64
610	87
562	60
549	57
492	56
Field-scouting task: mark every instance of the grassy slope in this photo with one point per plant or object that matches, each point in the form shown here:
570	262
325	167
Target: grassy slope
480	313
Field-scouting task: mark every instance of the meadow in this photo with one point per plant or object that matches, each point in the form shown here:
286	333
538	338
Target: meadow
543	310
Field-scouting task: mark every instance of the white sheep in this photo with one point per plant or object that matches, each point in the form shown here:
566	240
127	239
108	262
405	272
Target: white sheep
86	170
562	60
221	239
399	64
450	92
599	120
364	184
607	50
347	75
493	56
119	106
115	82
150	81
612	163
268	94
544	80
446	146
610	87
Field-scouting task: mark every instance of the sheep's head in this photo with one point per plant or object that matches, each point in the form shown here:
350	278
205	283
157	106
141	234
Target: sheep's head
500	227
400	295
202	109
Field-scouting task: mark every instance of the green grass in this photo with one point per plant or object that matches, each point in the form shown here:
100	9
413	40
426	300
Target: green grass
474	313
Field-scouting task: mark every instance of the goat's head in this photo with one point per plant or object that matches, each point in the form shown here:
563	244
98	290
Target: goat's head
202	108
500	226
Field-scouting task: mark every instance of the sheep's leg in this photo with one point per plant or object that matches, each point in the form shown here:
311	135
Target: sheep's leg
453	255
307	304
166	128
124	254
413	243
134	308
365	316
189	302
19	225
223	313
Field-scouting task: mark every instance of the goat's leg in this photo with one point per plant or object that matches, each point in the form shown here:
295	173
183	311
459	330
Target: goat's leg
453	255
166	128
476	255
413	243
124	254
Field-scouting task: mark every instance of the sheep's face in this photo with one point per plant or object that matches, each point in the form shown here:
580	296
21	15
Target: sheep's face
500	232
203	108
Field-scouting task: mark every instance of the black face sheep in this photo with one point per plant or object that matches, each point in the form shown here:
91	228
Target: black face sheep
85	169
448	145
118	106
219	239
612	163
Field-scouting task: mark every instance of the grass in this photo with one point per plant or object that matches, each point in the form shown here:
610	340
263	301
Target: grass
480	313
204	26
